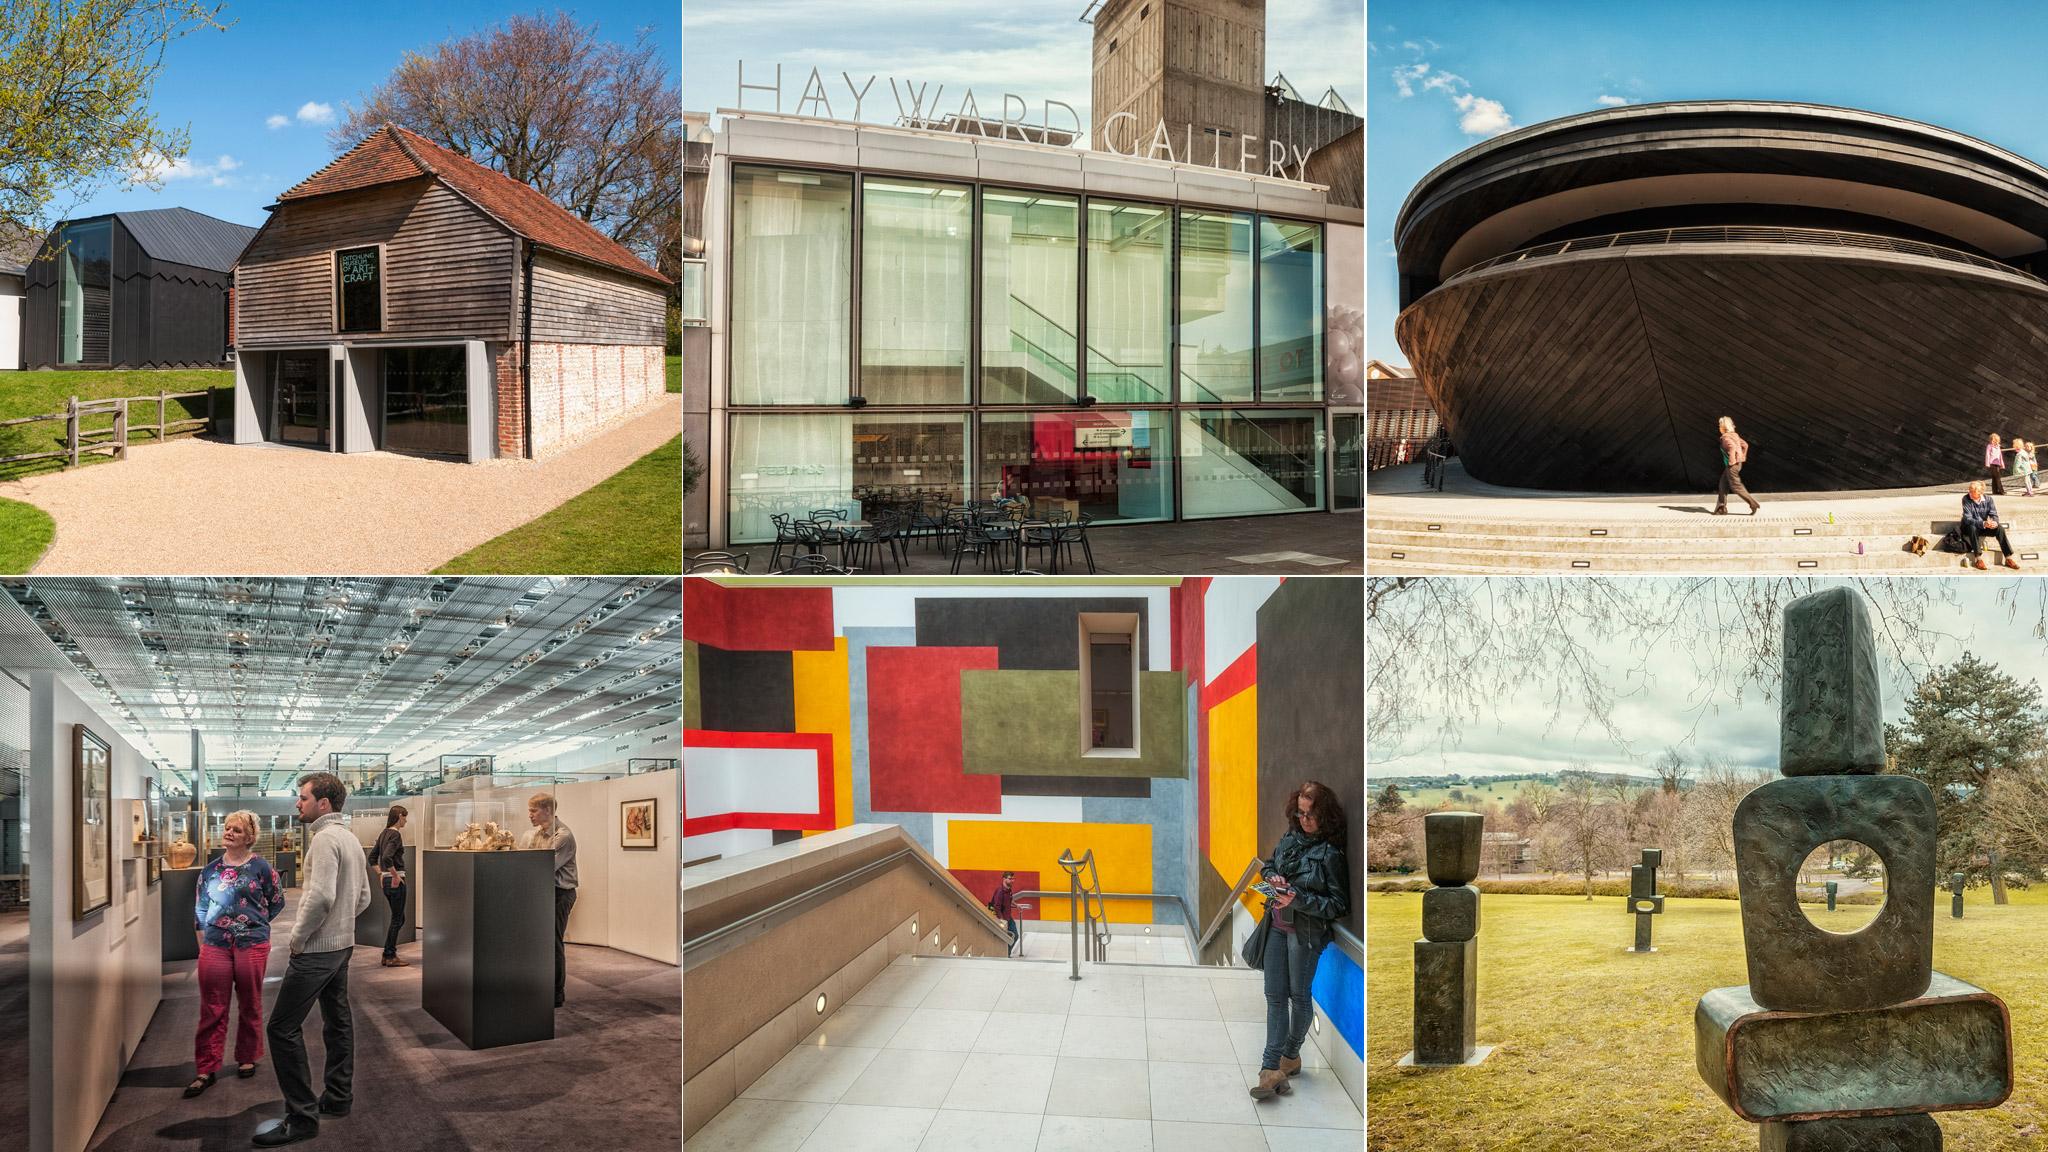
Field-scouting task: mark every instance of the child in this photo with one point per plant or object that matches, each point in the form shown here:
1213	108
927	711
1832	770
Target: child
2024	465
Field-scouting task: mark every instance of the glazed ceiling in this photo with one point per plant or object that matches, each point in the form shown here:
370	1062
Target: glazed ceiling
277	673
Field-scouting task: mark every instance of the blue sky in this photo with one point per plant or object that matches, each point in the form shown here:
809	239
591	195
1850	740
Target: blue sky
301	63
1971	67
1038	49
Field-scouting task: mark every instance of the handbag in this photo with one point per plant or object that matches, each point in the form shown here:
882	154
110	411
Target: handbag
1254	950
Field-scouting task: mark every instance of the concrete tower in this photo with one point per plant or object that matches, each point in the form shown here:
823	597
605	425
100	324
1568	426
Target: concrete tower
1198	63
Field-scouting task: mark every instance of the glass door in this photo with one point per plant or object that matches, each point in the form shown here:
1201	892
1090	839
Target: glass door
300	382
426	401
1347	460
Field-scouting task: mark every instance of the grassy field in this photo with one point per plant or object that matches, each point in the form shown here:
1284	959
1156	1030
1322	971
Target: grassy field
675	373
631	523
1594	1045
1476	797
46	392
25	533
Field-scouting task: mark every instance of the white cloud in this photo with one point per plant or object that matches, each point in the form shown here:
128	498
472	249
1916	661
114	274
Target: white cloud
276	121
1477	115
155	168
1610	100
314	112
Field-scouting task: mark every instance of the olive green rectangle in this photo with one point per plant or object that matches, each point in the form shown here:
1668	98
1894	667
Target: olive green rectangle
1028	723
693	709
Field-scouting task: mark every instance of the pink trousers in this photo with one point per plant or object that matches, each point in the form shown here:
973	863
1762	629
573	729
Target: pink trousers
225	971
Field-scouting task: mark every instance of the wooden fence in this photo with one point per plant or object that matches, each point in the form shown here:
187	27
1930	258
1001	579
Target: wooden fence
113	441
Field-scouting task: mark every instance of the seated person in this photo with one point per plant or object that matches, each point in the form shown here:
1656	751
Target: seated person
1980	518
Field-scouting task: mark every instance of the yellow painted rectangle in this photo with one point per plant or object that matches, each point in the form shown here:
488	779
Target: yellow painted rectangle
1123	858
823	704
1234	785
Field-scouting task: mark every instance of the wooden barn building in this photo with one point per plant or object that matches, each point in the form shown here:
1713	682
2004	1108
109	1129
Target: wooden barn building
406	298
144	289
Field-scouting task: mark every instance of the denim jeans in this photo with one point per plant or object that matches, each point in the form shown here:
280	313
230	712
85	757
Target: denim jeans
311	976
565	899
1290	968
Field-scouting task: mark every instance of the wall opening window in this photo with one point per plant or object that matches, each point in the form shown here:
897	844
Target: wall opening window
1109	683
695	304
84	300
359	289
791	286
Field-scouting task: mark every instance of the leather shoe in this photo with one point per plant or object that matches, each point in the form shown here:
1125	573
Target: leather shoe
395	962
275	1133
327	1109
1272	1082
1978	563
2012	563
1290	1067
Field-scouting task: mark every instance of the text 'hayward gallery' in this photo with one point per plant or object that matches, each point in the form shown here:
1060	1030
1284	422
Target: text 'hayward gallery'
1863	294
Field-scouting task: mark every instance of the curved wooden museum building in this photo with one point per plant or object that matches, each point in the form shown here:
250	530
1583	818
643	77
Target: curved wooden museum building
1862	294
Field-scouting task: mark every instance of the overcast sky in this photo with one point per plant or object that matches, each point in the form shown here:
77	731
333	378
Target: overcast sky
1523	737
1036	49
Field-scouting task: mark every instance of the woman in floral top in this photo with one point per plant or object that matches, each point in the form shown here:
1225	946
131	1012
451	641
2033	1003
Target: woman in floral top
238	897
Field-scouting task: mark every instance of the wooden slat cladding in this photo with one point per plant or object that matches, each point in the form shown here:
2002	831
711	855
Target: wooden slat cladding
578	303
1608	373
448	269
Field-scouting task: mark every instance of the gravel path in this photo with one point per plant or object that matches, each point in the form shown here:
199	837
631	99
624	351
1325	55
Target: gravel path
203	507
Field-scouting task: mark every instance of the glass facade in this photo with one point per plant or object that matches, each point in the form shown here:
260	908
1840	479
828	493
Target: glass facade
84	294
1215	308
1130	278
1290	310
1109	466
792	286
799	463
1112	358
1250	462
916	253
1030	297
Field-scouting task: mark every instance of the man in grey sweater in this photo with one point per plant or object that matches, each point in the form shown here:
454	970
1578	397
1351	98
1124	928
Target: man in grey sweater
336	891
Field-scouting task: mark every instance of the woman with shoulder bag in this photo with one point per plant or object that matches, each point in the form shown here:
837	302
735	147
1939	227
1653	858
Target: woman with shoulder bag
1308	873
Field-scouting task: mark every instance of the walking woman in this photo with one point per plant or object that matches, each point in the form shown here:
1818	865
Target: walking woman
1313	886
1734	454
238	898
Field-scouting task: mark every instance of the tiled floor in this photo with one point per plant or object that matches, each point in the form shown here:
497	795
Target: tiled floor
1122	949
950	1055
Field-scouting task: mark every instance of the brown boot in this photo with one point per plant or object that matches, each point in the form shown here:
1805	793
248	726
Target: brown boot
395	962
1290	1067
1272	1082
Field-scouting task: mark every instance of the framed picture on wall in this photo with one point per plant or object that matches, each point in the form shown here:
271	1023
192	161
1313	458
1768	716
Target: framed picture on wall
92	811
636	824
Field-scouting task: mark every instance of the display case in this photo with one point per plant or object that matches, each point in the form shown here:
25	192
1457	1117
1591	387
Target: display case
184	839
473	824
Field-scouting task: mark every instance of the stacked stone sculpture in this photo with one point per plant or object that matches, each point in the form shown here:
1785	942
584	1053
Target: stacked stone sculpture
1643	900
1843	1041
1955	899
1447	956
1831	895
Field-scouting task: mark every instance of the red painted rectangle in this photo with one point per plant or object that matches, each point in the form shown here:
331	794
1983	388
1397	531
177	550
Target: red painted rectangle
820	743
983	882
915	759
757	619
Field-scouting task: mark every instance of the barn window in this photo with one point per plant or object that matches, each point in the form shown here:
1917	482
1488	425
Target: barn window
359	289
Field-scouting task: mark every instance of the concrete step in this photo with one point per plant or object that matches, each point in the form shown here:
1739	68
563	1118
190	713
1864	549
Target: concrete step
1694	528
1805	546
1453	556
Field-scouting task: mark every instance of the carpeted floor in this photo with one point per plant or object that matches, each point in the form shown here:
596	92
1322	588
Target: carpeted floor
14	1021
609	1079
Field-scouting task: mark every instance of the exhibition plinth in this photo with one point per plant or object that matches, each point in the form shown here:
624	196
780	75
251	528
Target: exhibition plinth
488	960
180	897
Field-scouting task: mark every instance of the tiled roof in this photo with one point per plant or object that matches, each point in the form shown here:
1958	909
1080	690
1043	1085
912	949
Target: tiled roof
392	154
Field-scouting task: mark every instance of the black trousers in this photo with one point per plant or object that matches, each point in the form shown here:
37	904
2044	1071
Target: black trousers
1997	477
394	895
1974	537
311	976
1731	481
565	899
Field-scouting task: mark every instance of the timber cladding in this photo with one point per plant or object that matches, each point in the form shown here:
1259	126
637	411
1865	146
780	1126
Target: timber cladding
579	303
448	269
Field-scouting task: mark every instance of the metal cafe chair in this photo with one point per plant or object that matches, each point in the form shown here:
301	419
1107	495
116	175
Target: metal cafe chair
1065	536
811	565
786	536
1038	536
729	563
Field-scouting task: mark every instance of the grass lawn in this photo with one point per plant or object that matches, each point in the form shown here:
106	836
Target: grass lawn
46	392
629	524
1595	1045
25	532
675	373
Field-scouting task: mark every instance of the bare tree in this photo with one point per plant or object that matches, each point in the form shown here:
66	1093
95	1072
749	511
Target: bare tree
1446	652
596	126
1672	770
1580	831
